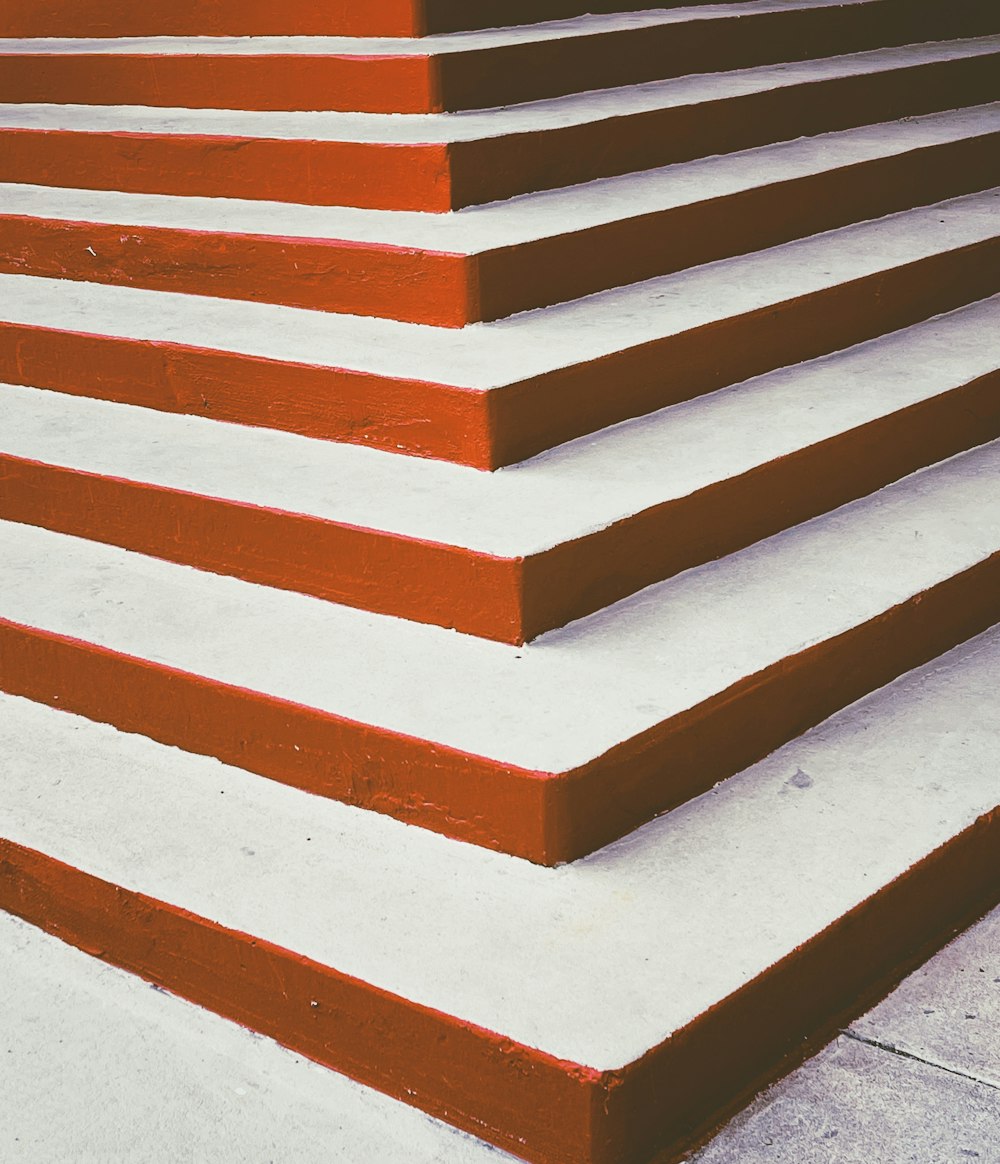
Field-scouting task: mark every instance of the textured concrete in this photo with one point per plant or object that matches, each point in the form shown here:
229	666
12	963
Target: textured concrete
923	1088
99	1067
948	1013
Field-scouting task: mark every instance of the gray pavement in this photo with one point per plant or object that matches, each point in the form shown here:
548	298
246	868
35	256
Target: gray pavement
914	1081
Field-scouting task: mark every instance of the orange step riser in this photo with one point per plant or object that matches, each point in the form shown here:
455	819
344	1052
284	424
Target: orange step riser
546	818
471	79
487	430
509	600
437	177
392	18
544	1110
452	290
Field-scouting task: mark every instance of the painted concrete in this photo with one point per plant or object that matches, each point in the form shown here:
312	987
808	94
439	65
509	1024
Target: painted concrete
531	117
490	355
553	498
676	917
97	1066
433	44
515	221
923	1084
572	694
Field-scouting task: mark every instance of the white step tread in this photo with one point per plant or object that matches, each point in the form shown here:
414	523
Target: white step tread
491	355
525	509
569	696
677	917
99	1067
474	125
515	221
435	44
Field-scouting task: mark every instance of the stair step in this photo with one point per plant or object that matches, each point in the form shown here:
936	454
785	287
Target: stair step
390	18
511	554
547	751
587	1015
144	1076
494	394
485	263
440	162
457	71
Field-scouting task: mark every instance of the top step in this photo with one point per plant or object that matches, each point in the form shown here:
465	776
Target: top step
396	18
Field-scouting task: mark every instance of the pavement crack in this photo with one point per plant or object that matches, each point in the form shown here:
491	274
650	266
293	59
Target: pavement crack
888	1047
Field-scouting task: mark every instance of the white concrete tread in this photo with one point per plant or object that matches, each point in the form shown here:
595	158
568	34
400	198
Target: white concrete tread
572	694
99	1067
474	125
491	355
554	498
520	220
716	893
435	44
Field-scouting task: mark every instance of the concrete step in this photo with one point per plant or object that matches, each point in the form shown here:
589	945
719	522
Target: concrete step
146	1078
512	554
457	71
494	394
547	751
590	1015
440	162
488	262
390	18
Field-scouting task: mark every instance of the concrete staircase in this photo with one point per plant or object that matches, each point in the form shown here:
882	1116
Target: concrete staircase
450	475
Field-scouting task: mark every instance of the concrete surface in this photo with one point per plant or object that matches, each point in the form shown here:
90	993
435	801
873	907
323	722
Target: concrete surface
475	125
514	221
100	1067
553	498
923	1087
490	355
678	916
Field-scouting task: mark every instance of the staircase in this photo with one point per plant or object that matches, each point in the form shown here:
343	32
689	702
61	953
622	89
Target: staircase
500	529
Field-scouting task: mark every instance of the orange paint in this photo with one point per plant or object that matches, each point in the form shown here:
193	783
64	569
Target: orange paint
477	78
545	1110
506	425
437	178
508	599
416	286
452	290
548	818
425	420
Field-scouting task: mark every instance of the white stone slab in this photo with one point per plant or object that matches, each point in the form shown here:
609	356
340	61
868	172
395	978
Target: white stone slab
473	125
99	1067
573	693
433	45
553	498
676	917
514	221
489	355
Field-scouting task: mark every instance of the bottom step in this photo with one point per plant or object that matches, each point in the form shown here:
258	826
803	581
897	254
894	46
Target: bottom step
591	1014
146	1077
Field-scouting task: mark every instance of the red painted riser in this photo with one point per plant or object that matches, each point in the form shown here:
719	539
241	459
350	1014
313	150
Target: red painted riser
476	79
511	600
293	18
545	1110
502	427
548	818
452	290
438	178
